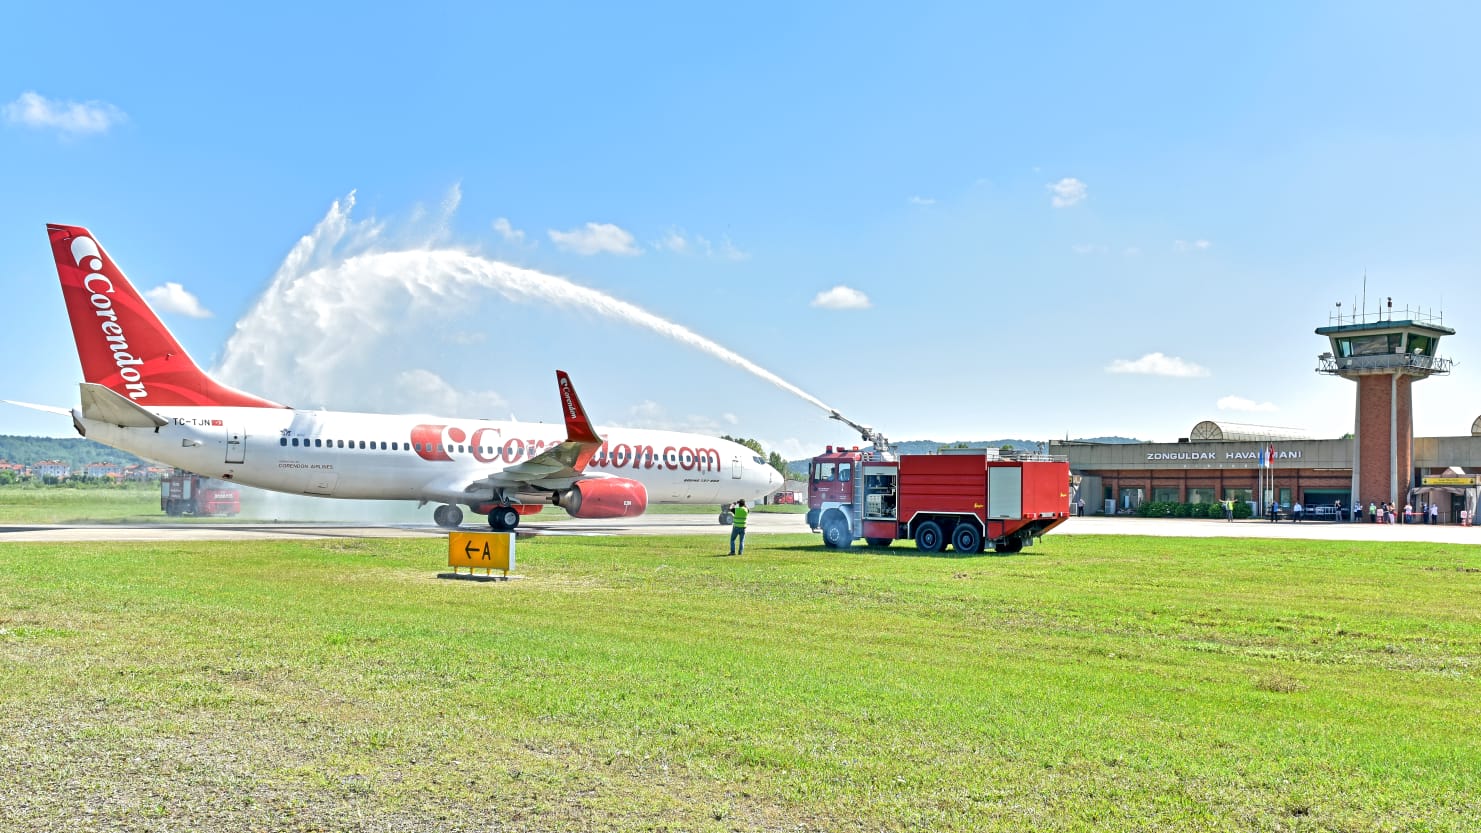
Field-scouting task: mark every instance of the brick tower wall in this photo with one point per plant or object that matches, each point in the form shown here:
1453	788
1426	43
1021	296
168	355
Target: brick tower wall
1375	463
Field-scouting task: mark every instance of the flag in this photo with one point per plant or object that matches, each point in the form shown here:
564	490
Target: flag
1270	456
1261	459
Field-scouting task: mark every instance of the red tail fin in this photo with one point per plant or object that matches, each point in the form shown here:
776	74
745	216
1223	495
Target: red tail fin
122	344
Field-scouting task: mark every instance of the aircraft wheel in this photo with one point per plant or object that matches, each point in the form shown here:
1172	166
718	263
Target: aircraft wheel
928	537
1009	546
448	516
726	518
965	539
503	519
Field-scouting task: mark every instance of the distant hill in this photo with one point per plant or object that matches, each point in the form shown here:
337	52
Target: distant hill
74	450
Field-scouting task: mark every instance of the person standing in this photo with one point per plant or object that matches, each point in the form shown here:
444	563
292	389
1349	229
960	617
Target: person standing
1297	512
1372	512
1338	506
1274	508
1434	513
738	514
1229	510
1080	506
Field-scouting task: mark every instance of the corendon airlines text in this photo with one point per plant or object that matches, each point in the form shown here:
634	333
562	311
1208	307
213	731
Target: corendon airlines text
487	445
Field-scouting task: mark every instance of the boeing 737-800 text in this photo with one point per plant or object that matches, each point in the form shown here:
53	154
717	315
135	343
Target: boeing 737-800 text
144	395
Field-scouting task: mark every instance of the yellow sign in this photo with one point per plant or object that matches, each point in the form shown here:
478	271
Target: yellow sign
490	550
1448	481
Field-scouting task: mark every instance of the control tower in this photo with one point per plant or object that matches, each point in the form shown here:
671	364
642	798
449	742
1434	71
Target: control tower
1384	354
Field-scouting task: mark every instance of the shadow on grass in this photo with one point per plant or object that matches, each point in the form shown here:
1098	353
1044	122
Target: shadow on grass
900	552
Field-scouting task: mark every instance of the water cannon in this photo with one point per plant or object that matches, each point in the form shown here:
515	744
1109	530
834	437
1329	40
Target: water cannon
869	435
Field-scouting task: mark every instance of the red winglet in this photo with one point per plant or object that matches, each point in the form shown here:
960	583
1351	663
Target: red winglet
578	427
122	344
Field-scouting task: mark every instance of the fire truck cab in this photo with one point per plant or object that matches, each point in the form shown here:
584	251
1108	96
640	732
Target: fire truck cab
971	499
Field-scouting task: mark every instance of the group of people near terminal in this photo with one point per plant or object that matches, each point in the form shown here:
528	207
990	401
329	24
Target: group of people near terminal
1378	512
1387	513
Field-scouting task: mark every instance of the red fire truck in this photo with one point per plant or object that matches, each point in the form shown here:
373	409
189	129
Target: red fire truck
184	493
969	498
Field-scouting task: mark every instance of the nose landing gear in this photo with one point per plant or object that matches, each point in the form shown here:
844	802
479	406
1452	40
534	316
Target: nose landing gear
448	516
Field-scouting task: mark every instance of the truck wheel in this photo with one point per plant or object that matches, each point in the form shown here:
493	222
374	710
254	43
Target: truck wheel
1009	546
928	537
965	539
812	519
880	542
836	533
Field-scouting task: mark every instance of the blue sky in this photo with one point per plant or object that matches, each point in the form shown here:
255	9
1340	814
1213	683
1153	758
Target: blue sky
952	222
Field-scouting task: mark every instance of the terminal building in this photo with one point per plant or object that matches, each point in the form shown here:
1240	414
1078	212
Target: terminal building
1380	461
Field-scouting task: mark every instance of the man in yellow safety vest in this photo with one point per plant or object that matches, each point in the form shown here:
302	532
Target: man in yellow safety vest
738	515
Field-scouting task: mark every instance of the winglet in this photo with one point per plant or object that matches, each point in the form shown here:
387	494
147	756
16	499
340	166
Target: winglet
578	427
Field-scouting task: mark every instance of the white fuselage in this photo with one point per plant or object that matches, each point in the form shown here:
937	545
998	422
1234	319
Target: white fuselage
424	458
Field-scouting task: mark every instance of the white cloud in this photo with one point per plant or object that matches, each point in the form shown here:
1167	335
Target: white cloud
915	200
841	297
727	251
172	297
650	414
68	117
674	241
1239	403
1067	192
596	238
509	232
434	395
1157	364
1189	246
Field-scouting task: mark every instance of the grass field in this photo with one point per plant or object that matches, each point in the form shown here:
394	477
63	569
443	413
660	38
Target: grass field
1092	683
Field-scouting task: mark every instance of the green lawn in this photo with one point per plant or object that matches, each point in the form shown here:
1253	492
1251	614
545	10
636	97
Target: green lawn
1091	683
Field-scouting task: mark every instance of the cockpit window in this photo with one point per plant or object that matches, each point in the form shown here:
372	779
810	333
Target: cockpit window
758	460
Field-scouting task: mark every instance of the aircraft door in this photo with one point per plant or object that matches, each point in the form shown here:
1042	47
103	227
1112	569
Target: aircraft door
735	468
236	445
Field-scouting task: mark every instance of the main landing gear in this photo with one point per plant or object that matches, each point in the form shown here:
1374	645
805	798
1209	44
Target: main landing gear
503	519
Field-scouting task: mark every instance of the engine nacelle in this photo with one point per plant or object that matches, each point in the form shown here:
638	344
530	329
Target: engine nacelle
607	497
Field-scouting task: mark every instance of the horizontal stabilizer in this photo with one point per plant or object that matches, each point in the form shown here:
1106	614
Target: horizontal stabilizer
101	404
50	409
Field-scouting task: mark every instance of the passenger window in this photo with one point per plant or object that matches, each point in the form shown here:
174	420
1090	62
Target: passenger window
283	441
845	472
341	444
318	443
295	442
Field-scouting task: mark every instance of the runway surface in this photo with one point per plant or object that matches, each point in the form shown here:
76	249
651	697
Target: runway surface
760	524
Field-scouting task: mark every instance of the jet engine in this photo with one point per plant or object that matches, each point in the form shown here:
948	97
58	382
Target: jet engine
607	497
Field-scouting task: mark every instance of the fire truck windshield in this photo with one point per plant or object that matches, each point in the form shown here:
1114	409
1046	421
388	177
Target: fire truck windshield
823	472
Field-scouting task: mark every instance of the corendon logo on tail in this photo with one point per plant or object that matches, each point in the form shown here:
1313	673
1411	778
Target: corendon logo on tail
440	443
86	255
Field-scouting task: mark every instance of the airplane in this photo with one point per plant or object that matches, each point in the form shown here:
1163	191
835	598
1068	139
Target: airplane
143	394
